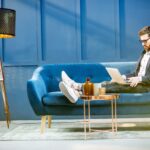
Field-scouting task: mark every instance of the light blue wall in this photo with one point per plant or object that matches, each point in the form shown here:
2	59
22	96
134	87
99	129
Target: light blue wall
64	31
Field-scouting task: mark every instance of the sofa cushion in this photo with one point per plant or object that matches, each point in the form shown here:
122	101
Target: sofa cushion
57	98
134	98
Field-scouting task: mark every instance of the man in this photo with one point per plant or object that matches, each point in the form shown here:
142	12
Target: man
142	72
139	80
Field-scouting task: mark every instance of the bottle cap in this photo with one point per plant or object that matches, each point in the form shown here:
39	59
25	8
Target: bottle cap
87	79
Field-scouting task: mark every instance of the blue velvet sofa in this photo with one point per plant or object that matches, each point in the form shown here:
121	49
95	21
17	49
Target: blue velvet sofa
46	99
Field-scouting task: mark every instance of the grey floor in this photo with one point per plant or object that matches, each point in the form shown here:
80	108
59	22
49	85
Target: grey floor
138	144
107	144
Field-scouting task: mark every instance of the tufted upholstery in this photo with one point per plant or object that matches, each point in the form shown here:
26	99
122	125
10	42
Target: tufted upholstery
46	98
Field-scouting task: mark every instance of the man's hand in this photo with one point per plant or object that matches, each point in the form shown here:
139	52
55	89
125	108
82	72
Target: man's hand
134	81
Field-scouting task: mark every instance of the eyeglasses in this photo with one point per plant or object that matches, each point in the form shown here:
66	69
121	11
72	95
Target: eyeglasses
144	41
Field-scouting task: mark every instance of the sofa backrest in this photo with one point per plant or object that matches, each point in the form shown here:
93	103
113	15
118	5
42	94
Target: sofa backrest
124	67
51	73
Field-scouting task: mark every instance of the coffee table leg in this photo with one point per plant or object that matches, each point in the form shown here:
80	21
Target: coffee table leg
112	114
116	126
89	123
84	109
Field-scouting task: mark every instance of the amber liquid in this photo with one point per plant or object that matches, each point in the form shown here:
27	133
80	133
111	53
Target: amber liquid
88	88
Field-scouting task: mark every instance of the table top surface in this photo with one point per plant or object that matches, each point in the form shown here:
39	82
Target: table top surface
108	96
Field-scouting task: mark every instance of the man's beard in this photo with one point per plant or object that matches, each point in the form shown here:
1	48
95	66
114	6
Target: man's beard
147	49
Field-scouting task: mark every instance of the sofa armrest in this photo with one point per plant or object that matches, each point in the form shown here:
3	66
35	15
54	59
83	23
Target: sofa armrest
36	89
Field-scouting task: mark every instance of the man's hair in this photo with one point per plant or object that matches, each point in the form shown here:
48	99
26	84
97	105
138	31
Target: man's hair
144	30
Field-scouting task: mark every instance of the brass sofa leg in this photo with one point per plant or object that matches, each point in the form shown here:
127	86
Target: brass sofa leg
49	121
43	122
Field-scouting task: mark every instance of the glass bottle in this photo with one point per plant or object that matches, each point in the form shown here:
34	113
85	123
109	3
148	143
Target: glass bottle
88	87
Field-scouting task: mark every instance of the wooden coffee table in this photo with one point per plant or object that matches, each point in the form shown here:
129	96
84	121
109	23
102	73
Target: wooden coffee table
107	97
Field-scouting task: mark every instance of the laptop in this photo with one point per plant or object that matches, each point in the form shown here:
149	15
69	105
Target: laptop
116	76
